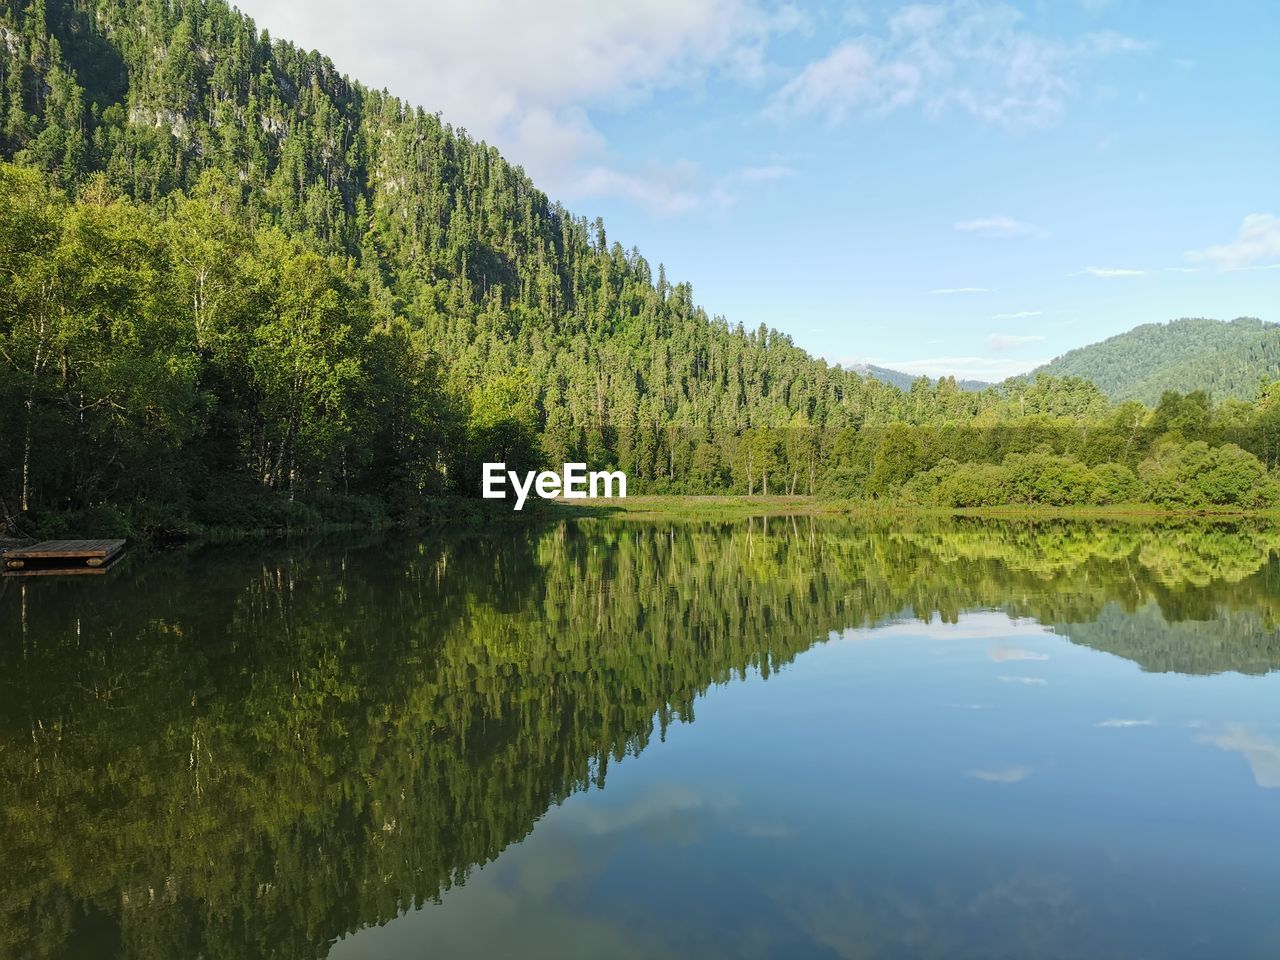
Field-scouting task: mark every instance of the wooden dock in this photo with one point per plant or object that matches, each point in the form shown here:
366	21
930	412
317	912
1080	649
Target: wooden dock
51	557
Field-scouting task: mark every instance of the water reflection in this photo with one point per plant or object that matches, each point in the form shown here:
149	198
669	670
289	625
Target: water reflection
1262	753
207	756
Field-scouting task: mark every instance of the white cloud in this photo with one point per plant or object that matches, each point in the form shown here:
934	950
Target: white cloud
1123	724
998	225
849	76
977	57
969	626
1025	681
526	77
950	290
1112	273
1003	775
663	190
1257	240
1261	753
662	801
1020	315
1008	341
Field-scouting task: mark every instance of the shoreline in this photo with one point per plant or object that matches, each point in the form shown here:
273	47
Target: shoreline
733	506
460	513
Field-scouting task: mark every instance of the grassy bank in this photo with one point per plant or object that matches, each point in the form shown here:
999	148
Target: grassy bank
731	507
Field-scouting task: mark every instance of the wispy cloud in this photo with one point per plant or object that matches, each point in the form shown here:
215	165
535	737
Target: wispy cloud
725	191
660	802
1112	273
1123	724
775	171
952	290
1002	775
1257	241
1020	315
999	225
980	58
1025	681
1004	654
1261	753
663	190
1010	341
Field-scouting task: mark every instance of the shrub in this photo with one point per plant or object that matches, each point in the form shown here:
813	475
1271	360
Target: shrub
1113	483
1040	478
1197	475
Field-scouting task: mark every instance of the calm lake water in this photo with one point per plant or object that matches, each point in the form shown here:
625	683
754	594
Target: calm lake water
617	739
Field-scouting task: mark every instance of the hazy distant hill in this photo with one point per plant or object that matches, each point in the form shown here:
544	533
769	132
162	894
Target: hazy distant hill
1228	359
1213	641
903	381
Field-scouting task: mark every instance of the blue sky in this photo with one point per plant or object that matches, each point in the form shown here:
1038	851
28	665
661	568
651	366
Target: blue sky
962	187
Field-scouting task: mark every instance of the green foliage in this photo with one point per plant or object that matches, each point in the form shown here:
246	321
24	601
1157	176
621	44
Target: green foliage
1199	475
1035	479
503	423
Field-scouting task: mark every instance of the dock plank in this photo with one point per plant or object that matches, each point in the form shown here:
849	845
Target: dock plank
66	549
59	571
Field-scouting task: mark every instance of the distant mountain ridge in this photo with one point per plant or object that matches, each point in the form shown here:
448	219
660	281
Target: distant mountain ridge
1224	358
903	381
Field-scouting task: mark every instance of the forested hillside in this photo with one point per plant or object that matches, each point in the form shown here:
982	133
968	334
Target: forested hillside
1225	359
240	289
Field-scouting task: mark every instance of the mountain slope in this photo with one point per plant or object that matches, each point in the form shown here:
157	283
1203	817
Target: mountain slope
1226	359
149	99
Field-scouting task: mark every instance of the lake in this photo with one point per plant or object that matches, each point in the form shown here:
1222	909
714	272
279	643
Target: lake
788	737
